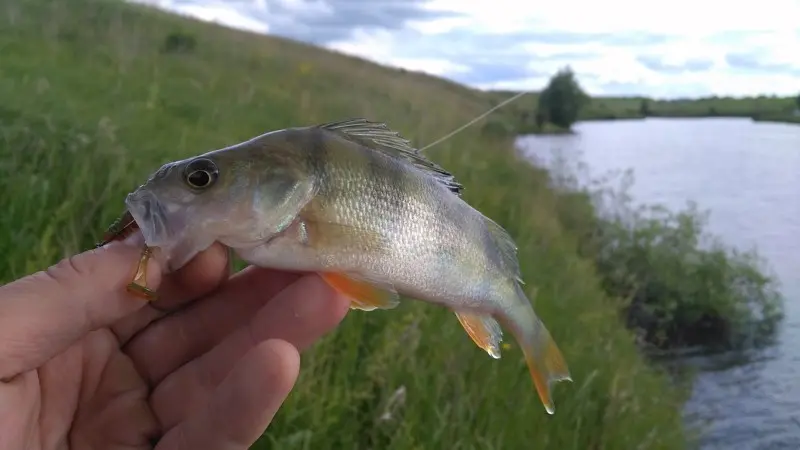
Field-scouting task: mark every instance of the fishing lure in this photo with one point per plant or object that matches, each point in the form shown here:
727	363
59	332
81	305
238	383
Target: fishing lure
123	227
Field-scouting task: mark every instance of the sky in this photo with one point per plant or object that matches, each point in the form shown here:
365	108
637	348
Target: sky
662	49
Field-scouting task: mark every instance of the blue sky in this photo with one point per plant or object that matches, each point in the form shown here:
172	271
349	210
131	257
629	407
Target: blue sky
665	49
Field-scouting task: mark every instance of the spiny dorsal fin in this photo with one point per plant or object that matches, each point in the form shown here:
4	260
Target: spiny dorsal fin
378	136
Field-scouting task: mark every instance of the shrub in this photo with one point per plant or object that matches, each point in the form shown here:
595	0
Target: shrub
178	42
682	285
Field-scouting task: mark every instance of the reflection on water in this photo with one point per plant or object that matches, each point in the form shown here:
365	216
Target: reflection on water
748	175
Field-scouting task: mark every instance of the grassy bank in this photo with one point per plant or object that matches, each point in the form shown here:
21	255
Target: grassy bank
766	108
778	118
97	94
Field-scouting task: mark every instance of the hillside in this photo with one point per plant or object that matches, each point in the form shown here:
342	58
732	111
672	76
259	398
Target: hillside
96	94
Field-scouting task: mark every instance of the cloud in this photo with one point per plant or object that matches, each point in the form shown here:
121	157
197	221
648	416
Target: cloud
622	39
315	21
212	11
651	49
747	61
659	64
753	62
479	73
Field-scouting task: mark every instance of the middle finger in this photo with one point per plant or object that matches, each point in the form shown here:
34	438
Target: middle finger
183	335
300	315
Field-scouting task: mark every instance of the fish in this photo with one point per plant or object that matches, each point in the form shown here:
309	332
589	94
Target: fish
354	202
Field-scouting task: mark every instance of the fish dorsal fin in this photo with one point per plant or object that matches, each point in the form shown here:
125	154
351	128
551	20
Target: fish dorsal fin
506	247
378	136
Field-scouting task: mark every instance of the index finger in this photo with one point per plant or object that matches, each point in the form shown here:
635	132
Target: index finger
200	276
43	314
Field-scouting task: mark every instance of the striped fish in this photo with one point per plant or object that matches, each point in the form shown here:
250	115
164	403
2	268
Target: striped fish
354	202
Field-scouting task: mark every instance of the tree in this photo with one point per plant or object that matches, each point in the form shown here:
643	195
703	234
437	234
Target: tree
644	108
562	99
797	100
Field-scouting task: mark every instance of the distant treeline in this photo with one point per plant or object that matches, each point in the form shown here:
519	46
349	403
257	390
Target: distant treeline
522	115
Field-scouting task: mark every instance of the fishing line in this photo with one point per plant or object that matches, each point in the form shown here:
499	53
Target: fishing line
471	122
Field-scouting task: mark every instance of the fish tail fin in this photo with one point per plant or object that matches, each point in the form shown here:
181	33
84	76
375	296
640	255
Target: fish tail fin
542	356
545	362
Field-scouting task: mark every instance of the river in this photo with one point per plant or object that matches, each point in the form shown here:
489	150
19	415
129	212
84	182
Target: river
748	175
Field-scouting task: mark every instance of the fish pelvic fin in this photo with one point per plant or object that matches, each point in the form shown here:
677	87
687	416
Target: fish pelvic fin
365	294
379	137
545	362
484	331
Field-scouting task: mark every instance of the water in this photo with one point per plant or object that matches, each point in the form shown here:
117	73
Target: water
748	175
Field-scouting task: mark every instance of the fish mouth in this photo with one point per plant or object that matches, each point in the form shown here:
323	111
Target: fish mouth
151	217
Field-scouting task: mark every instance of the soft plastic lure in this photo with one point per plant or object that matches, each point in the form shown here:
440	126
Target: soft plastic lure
120	229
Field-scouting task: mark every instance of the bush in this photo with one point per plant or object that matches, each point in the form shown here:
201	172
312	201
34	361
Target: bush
682	286
177	42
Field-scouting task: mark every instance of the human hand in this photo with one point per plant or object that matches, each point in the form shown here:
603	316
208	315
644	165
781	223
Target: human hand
86	365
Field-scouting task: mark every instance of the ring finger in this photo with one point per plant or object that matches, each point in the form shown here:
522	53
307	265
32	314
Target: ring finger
300	315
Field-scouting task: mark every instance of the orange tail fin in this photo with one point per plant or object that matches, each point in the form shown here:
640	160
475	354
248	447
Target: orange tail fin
545	363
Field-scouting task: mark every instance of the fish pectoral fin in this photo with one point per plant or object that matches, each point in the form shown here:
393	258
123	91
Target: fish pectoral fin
324	234
484	331
365	294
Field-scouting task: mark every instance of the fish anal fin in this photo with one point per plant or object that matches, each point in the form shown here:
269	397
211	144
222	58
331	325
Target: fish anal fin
484	331
364	294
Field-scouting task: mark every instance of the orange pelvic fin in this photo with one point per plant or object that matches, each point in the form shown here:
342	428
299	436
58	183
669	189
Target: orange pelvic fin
484	331
366	295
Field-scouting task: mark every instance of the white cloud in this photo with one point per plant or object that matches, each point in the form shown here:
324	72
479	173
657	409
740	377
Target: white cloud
517	44
213	11
692	25
686	17
379	46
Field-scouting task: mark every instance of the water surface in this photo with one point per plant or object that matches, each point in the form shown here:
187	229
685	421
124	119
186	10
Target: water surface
748	175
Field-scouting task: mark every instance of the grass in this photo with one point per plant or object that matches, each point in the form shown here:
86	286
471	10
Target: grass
97	94
767	108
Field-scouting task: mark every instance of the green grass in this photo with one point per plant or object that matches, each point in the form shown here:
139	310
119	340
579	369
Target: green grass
93	101
775	109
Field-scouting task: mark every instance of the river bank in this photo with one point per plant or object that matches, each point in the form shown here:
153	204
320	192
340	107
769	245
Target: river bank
521	114
743	172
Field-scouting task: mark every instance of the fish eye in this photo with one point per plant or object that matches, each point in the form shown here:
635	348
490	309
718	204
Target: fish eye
201	173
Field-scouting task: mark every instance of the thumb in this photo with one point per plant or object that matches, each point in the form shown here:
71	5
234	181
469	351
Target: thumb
43	314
